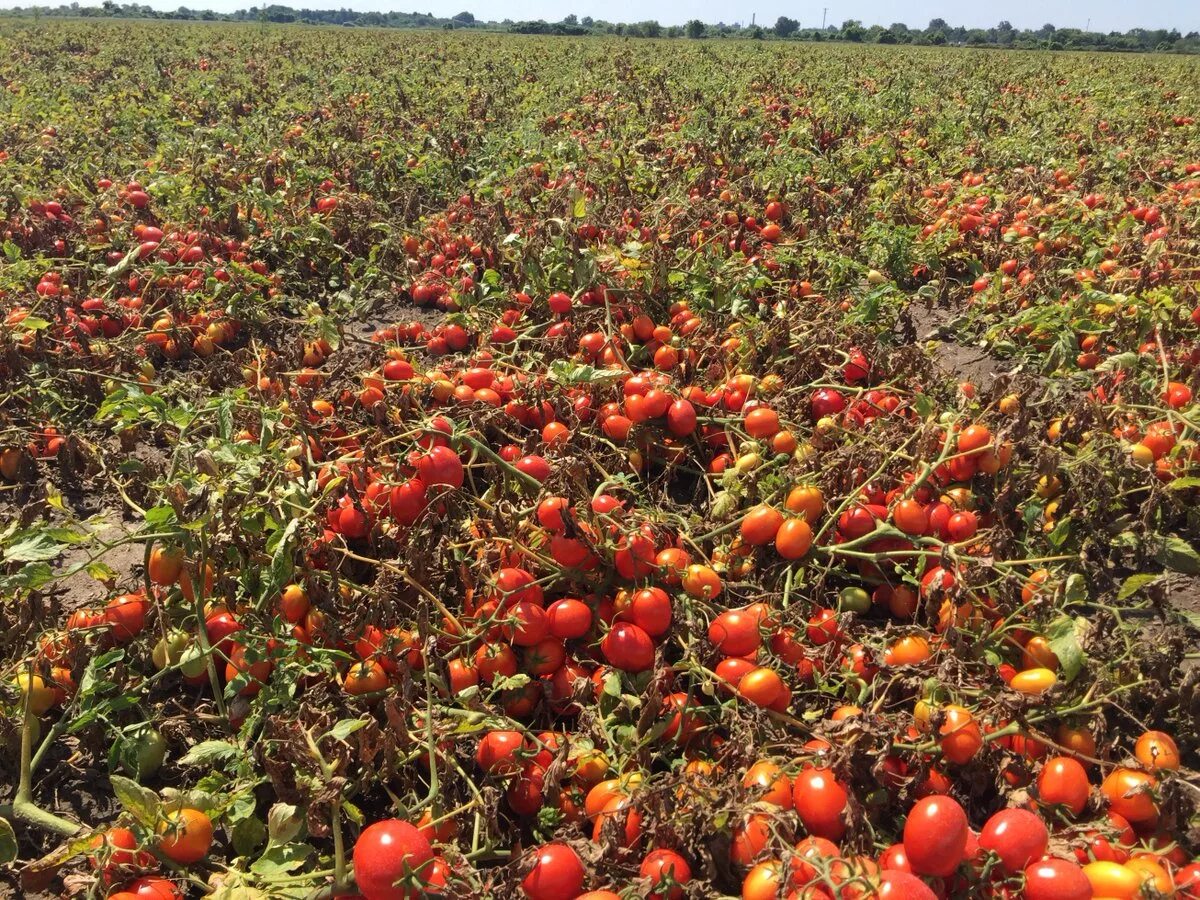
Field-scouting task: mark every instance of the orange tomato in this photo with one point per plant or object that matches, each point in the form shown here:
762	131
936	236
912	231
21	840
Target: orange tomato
793	538
365	677
1128	794
1063	781
185	835
807	501
166	564
760	525
750	837
761	422
702	582
1076	740
961	738
764	881
761	686
1157	750
767	784
1112	881
908	651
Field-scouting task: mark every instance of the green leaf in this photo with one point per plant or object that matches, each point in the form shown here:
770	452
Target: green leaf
160	515
565	372
90	679
126	261
8	843
353	813
511	682
1135	583
1065	635
233	887
68	535
248	835
1061	532
280	860
38	547
612	684
345	728
225	418
1183	484
1127	360
1126	540
211	753
284	822
1075	590
1192	618
281	556
140	802
31	575
101	572
1178	556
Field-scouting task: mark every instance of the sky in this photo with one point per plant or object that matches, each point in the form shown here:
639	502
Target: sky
1105	15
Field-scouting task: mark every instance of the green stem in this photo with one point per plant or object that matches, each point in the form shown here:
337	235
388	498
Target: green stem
23	807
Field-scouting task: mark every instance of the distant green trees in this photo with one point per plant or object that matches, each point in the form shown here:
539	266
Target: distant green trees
937	32
785	27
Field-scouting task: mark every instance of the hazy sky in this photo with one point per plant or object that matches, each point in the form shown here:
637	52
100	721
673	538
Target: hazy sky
1106	15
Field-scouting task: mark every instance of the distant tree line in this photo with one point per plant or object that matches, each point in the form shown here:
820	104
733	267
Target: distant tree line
272	13
937	32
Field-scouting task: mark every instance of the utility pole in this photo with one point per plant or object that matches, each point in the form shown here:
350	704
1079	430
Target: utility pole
823	11
1088	27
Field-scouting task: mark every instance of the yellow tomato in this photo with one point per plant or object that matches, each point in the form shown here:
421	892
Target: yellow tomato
1033	681
1110	879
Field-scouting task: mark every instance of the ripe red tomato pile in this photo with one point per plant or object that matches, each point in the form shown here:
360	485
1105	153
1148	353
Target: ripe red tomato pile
560	479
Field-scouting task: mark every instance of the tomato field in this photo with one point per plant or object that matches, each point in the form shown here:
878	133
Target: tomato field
481	466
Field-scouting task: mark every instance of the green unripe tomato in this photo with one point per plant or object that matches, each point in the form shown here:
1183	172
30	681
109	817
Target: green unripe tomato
169	650
192	661
854	599
140	750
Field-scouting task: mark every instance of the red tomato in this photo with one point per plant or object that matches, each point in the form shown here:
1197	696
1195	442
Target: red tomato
407	501
389	852
126	615
534	466
935	836
569	618
651	611
514	585
1056	879
151	887
820	799
735	633
681	418
897	885
895	858
1063	781
661	866
553	513
441	466
1017	836
500	752
628	647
